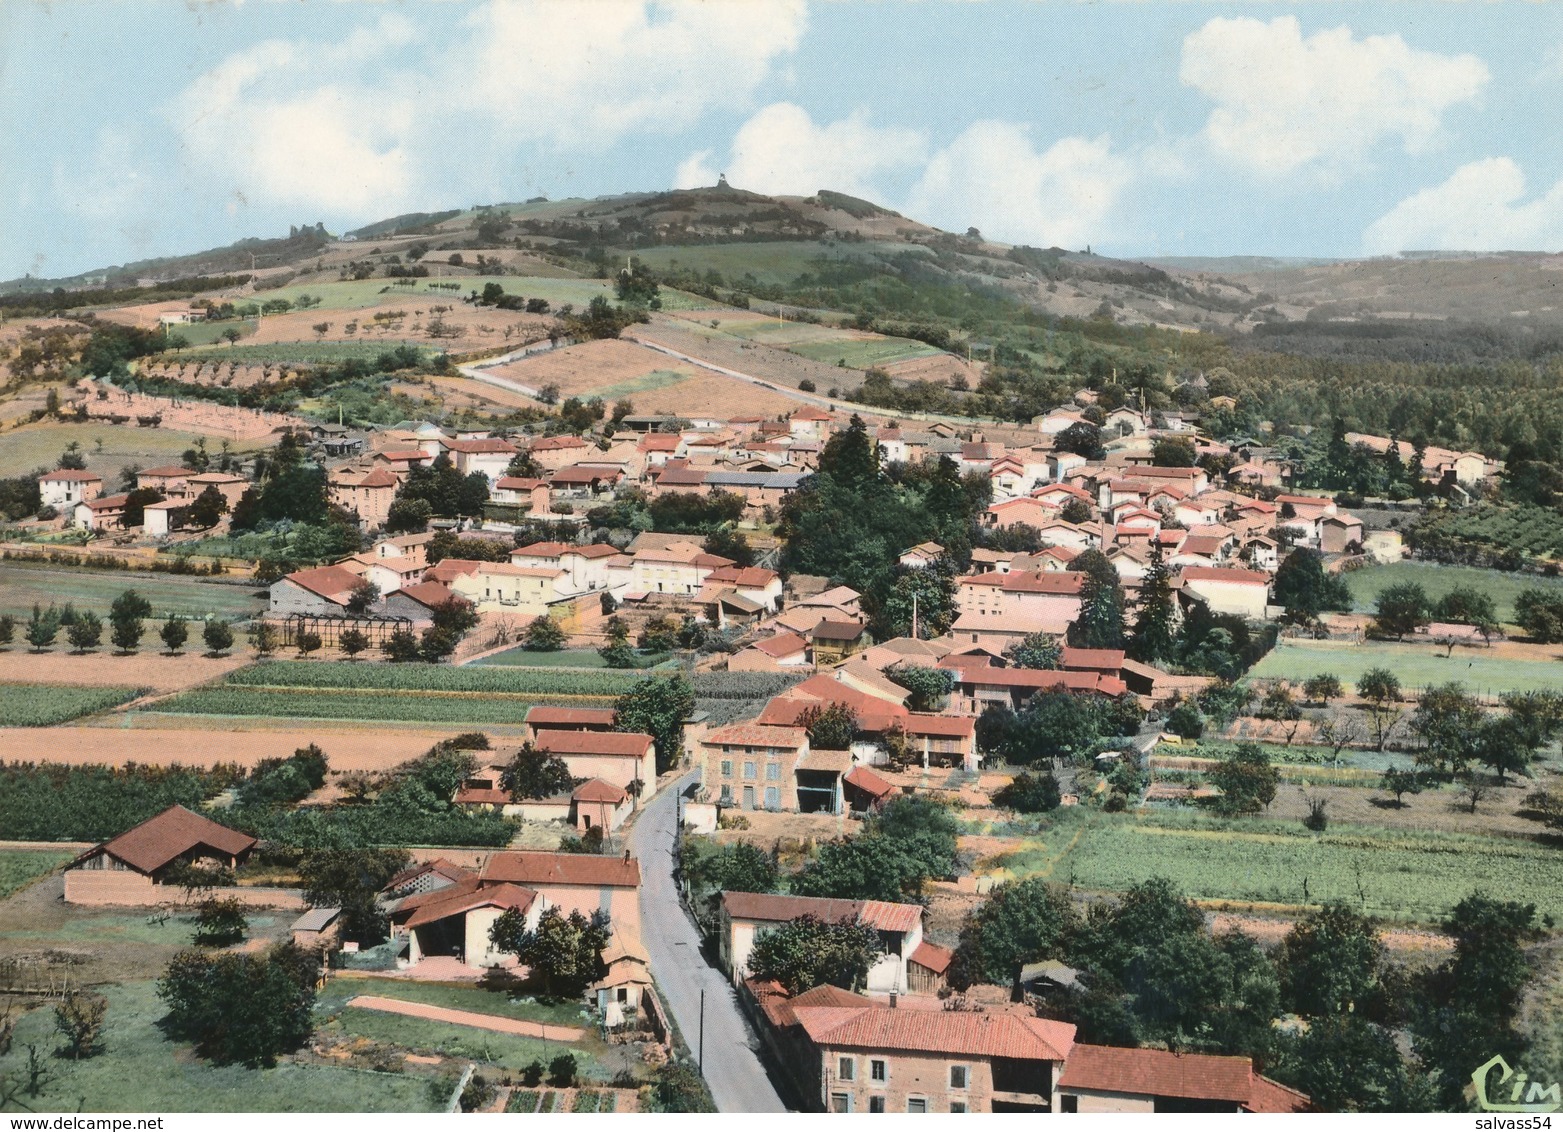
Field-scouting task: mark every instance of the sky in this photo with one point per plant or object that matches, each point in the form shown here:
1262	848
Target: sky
141	128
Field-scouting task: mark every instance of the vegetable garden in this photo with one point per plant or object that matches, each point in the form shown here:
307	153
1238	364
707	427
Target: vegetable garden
44	705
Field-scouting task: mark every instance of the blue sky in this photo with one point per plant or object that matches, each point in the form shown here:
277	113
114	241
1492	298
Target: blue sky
152	127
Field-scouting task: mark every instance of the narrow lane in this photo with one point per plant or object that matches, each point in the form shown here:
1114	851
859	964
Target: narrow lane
733	1068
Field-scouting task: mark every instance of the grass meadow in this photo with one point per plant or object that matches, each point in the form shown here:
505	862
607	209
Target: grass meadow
21	867
23	585
1416	665
1437	580
39	445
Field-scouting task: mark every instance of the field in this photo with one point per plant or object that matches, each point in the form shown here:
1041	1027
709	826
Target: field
771	262
593	369
405	707
1438	580
564	658
22	586
142	1071
357	294
455	996
299	352
163	740
20	867
831	345
155	670
44	705
430	678
1417	665
39	445
1401	875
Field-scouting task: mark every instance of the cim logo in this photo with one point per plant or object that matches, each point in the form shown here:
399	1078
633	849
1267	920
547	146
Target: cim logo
1538	1098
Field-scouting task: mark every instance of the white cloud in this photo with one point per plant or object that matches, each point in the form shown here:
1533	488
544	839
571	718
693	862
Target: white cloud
782	151
990	177
1479	208
587	74
1283	101
358	128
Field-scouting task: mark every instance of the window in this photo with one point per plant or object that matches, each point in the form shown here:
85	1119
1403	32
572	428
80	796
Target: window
749	770
727	768
846	1068
876	1104
773	772
772	798
957	1106
727	795
957	1076
840	1102
878	1070
916	1104
1069	1103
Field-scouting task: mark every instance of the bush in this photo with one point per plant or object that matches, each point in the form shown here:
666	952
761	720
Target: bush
1186	721
221	923
1030	794
562	1071
241	1008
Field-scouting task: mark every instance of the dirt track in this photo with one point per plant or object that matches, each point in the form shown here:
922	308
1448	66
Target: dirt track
467	1018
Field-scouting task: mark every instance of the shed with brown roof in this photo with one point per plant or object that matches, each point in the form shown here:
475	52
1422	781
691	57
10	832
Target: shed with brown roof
176	834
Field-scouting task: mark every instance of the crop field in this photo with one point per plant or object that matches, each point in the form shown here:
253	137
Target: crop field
590	369
20	867
430	678
300	353
861	353
1417	666
1400	875
1437	580
770	262
39	445
828	344
22	586
358	293
390	706
519	657
140	1070
44	705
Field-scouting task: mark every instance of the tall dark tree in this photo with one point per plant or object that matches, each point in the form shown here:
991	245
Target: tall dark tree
1155	624
1100	622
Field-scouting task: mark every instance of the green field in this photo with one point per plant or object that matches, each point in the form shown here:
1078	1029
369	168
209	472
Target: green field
565	658
425	678
140	1070
300	353
1417	666
23	585
356	294
863	353
1438	580
20	867
505	1051
208	333
343	987
656	379
44	705
769	262
1402	876
39	446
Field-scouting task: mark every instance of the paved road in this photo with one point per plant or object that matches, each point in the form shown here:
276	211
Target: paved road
732	1067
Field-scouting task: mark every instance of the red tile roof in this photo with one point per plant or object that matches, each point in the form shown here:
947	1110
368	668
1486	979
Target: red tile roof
837	630
963	1033
931	955
1225	574
541	716
947	726
770	908
556	443
518	483
750	577
537	869
778	1007
459	899
782	644
330	582
630	743
868	782
171	834
430	594
759	735
70	475
449	569
1193	1076
1092	658
599	790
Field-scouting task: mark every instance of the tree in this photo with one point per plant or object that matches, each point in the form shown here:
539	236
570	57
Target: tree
1155	627
307	642
929	592
535	774
408	516
79	1019
563	953
217	635
1173	452
1322	688
808	952
245	1008
1400	609
210	506
1332	961
1030	794
362	598
680	1088
42	628
1305	589
351	879
660	634
220	922
1539	612
175	632
1083	439
401	647
908	841
1020	922
352	642
831	727
1100	623
1246	779
1451	724
725	542
125	617
1036	651
544	635
658	707
7	629
1186	720
85	632
1467	605
1400	783
929	687
1381	689
263	639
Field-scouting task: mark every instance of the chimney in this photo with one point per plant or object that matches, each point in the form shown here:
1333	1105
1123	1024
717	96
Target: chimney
892	1000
